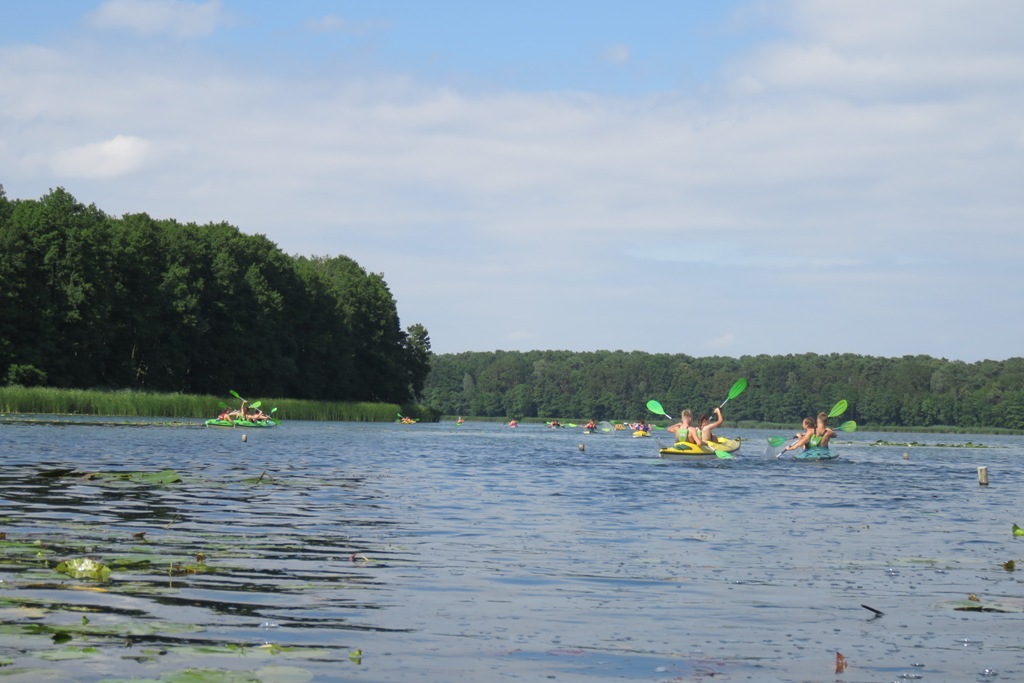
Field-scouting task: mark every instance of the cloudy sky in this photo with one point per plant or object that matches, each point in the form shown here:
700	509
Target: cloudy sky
712	178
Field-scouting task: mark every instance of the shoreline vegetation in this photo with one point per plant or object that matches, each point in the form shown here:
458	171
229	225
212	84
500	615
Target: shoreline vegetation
18	400
125	403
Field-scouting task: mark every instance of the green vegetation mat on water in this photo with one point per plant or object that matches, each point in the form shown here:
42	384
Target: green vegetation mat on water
916	444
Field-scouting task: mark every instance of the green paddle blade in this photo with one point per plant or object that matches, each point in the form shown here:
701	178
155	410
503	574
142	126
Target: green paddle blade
776	441
848	426
655	407
257	404
838	409
737	389
235	394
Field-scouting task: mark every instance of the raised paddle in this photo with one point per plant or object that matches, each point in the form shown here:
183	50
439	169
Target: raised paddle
838	409
736	390
656	408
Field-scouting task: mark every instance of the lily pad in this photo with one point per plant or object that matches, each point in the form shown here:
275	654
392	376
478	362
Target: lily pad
68	653
1003	605
161	477
84	568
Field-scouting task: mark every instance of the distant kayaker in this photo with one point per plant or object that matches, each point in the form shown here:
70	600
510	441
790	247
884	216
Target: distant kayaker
513	423
590	425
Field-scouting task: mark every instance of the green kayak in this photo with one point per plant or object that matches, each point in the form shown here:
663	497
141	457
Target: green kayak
269	422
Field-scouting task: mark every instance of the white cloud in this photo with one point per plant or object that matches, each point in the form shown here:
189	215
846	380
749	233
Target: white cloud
617	54
332	22
153	17
112	158
876	49
590	221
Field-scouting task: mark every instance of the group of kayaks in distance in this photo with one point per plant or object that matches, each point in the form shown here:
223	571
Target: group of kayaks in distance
693	438
696	439
247	415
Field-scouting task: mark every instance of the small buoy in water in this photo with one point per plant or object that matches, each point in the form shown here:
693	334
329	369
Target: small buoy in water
906	456
983	476
582	448
244	438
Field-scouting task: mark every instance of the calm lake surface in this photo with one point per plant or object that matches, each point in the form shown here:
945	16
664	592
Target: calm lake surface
436	552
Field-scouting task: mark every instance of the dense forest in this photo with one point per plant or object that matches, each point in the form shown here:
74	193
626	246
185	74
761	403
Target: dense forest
92	301
915	391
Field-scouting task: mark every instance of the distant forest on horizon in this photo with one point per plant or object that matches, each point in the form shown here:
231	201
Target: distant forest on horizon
910	391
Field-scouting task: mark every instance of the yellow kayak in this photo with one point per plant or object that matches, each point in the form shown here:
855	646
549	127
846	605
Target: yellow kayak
641	433
721	448
727	445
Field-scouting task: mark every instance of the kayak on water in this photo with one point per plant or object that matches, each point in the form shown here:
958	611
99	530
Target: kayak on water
722	447
640	433
720	444
269	422
813	453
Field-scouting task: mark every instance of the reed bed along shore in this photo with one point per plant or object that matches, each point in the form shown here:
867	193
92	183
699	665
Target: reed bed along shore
125	403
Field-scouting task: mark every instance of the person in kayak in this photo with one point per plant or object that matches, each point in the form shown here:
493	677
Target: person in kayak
822	432
804	440
685	431
706	426
590	425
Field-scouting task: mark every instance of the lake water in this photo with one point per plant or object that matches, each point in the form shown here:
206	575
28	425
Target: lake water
432	552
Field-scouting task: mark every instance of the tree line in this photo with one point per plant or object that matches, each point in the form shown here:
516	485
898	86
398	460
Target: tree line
89	300
917	391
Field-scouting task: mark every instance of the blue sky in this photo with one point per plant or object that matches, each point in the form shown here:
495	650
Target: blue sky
710	178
